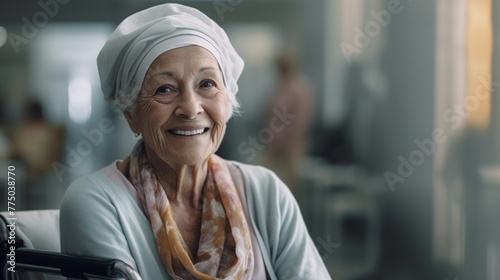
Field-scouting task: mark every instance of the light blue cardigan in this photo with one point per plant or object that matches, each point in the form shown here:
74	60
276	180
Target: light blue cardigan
99	218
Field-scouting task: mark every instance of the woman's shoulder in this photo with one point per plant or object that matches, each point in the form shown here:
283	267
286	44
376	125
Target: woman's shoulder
87	183
262	183
97	184
98	196
256	173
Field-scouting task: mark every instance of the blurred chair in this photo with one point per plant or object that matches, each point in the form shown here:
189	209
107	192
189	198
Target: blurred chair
37	255
343	207
352	216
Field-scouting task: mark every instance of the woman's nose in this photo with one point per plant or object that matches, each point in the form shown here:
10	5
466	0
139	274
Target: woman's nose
189	104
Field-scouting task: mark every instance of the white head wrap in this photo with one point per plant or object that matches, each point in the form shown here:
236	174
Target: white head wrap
143	36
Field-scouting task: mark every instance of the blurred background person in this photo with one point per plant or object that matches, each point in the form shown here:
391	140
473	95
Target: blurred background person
5	149
288	116
36	144
5	146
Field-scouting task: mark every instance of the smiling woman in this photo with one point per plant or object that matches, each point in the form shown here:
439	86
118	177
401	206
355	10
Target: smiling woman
181	110
173	209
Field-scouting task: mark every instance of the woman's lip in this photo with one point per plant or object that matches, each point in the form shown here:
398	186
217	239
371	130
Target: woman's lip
188	127
188	132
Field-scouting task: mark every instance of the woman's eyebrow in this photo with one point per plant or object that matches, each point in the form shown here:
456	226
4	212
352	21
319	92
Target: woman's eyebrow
164	73
206	68
171	74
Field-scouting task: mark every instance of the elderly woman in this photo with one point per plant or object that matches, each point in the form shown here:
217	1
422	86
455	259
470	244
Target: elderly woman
173	209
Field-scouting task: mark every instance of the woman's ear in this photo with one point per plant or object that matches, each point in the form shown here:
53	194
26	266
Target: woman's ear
132	122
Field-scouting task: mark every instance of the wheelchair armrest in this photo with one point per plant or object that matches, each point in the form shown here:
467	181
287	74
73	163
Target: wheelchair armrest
75	266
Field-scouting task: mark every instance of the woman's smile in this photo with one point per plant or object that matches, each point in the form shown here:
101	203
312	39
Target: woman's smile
188	132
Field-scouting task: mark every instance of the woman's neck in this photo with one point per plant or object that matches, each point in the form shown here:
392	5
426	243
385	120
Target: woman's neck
183	184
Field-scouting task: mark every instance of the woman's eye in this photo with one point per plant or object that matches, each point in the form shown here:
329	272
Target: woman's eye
164	90
207	84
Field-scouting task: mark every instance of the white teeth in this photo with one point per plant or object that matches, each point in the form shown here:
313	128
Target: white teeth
188	132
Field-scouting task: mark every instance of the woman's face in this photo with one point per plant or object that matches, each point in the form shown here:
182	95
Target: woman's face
182	106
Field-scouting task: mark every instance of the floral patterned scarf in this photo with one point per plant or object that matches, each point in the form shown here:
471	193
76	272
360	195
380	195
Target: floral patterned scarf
225	249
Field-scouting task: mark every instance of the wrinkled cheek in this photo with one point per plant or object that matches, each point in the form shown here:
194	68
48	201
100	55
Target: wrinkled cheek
155	138
218	133
160	143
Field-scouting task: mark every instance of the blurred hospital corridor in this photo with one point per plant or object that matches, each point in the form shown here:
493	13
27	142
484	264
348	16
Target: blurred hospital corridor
379	115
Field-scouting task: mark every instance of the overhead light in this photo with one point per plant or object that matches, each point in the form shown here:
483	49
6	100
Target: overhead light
3	36
80	99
